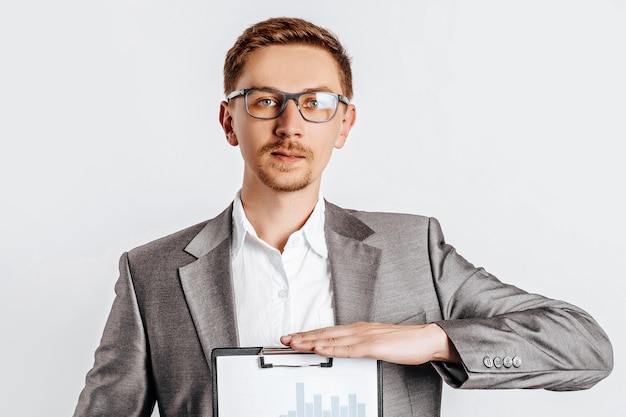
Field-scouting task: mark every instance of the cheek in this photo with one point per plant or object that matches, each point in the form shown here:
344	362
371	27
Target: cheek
248	151
248	137
323	153
331	138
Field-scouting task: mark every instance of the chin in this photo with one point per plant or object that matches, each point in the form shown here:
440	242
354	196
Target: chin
285	184
288	188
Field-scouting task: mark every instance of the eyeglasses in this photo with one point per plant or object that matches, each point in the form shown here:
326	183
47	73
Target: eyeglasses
266	104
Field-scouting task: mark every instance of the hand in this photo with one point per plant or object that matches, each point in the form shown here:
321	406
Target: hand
407	345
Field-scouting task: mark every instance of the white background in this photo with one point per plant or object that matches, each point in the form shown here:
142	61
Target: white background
503	119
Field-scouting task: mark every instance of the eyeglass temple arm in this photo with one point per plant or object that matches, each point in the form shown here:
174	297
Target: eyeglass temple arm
234	94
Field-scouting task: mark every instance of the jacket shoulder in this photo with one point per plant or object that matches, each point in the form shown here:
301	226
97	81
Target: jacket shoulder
387	222
387	219
185	239
176	241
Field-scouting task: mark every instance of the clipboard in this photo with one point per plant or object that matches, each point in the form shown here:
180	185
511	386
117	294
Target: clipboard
281	382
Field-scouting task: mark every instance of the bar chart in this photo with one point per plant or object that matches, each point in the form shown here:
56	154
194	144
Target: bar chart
349	388
349	408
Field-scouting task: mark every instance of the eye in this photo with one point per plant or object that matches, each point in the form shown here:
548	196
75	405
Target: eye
263	99
312	104
318	101
266	102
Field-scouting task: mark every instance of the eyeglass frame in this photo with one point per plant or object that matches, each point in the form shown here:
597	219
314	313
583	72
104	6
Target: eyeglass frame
288	96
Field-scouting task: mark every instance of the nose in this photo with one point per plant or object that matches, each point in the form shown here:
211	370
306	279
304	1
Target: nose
290	123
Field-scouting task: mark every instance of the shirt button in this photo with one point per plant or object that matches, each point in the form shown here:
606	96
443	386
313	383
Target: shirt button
283	293
488	362
497	362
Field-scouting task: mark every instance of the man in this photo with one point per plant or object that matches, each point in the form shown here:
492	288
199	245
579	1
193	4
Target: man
281	265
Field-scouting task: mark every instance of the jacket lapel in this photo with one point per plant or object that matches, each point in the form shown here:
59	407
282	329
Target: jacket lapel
354	265
207	285
207	282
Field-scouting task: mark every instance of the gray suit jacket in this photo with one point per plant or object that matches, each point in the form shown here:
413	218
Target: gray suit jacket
174	304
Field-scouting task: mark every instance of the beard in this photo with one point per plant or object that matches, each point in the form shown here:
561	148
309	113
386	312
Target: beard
284	177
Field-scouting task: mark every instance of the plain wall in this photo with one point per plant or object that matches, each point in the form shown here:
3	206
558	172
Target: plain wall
505	120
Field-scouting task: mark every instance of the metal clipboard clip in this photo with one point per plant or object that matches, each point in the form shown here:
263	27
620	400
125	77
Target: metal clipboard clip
269	351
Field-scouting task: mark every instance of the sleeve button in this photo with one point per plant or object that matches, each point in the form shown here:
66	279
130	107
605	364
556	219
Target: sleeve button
497	362
487	361
507	362
517	361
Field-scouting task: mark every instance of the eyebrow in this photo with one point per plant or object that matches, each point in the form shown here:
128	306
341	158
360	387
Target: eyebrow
306	90
310	90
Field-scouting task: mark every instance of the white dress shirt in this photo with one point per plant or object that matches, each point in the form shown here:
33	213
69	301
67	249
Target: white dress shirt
277	294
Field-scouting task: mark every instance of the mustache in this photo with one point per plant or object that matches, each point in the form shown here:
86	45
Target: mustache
287	146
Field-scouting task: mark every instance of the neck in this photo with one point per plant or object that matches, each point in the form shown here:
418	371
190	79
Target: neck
275	215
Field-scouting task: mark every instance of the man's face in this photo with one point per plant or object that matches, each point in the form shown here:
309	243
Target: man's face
287	153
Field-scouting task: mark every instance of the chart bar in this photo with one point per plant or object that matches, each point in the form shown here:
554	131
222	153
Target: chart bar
350	407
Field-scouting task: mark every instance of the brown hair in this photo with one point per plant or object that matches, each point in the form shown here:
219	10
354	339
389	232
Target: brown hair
284	31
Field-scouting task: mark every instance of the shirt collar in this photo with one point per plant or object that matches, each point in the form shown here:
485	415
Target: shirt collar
313	229
241	225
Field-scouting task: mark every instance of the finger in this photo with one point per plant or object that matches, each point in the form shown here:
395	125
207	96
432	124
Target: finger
323	333
309	345
339	331
342	351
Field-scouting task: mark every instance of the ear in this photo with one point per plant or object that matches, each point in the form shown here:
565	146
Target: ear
349	117
226	120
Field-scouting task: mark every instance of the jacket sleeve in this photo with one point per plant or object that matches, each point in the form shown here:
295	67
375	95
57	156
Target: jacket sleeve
508	338
119	384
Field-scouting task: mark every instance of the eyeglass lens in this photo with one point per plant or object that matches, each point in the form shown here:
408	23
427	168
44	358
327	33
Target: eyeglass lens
314	106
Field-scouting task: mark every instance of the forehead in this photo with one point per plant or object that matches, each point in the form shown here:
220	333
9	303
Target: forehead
291	68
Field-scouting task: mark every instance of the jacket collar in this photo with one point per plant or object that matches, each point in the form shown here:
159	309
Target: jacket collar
207	285
207	282
354	265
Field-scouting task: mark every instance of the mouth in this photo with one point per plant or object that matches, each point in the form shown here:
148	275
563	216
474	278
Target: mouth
287	156
287	153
